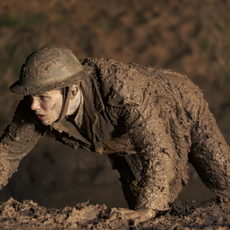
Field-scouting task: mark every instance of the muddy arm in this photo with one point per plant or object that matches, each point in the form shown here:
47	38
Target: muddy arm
17	141
156	151
210	154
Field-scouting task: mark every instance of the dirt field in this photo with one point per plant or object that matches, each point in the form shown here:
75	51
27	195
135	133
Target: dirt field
190	37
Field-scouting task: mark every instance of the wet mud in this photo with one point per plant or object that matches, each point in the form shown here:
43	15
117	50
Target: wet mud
190	38
210	214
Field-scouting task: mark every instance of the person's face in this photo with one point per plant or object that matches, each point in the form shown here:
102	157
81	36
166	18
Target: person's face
47	106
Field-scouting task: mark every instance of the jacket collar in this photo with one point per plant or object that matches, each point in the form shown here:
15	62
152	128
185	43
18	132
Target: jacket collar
67	127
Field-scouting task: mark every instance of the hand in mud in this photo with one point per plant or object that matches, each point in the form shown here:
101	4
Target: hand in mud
139	215
146	213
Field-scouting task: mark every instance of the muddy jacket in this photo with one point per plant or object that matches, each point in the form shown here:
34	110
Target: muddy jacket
155	119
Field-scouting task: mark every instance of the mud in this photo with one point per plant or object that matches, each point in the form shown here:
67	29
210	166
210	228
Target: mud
211	214
191	37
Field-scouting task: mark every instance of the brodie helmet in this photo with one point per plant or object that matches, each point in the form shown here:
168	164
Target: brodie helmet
49	68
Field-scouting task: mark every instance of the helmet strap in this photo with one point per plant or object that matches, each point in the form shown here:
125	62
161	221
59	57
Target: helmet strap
65	103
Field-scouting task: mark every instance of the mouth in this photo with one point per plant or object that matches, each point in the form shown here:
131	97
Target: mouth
40	116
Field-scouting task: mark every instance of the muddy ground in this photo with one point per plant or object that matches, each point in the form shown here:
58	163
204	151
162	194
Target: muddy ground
191	37
211	214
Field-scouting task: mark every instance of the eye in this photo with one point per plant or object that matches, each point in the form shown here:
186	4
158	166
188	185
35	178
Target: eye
43	98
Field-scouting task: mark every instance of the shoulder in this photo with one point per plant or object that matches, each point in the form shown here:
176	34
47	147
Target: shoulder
133	84
125	81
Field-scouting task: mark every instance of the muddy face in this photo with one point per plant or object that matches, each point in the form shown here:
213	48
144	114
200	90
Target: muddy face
47	106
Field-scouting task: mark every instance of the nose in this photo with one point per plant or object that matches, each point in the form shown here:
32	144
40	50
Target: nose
35	104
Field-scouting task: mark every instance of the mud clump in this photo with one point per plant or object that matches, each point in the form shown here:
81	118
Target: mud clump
210	214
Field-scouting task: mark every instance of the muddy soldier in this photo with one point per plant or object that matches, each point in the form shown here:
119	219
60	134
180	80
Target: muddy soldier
150	122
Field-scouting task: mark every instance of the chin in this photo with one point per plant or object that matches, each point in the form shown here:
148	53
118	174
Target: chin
46	123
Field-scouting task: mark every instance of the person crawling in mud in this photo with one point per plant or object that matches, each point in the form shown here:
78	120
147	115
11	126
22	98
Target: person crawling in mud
150	122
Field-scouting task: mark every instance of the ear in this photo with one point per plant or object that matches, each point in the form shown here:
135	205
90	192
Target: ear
73	91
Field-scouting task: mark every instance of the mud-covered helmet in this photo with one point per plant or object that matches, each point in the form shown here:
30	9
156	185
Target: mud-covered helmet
49	68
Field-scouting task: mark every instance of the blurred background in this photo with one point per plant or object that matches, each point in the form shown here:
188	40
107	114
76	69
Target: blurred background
191	37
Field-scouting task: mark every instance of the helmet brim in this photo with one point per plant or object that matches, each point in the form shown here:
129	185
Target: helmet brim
26	90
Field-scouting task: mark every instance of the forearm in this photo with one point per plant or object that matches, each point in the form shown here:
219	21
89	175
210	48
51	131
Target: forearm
210	154
157	175
13	147
16	142
158	154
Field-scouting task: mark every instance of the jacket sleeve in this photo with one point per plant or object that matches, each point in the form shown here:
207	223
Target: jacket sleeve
18	139
156	151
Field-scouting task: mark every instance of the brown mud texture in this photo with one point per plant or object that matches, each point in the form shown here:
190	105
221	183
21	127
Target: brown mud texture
211	214
191	37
